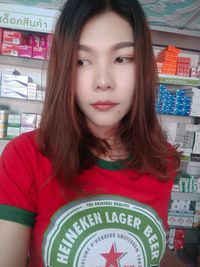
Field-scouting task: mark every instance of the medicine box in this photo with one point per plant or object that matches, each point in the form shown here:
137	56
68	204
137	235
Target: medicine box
25	51
28	120
9	80
33	40
14	92
1	34
49	45
39	53
12	132
40	95
180	218
43	40
38	121
11	37
14	120
193	168
14	86
26	129
32	91
10	49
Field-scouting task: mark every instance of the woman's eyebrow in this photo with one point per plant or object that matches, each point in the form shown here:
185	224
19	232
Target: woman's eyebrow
114	47
123	45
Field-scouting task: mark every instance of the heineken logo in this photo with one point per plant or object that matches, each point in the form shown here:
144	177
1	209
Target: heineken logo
104	231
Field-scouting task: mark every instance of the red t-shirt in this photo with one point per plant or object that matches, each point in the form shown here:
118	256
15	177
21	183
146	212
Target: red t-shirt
122	224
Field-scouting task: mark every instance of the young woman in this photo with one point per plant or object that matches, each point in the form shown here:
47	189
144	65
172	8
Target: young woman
91	186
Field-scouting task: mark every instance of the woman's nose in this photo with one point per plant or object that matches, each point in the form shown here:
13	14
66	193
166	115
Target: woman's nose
104	79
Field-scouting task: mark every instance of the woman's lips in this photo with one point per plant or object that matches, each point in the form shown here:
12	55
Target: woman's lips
104	105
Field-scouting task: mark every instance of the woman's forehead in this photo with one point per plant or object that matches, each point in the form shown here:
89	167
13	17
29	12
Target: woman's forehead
109	26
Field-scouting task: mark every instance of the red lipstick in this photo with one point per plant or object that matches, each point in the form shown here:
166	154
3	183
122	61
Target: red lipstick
104	105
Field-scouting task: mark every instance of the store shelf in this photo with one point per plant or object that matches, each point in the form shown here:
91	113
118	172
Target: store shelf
182	227
179	116
185	196
180	80
20	99
22	61
5	139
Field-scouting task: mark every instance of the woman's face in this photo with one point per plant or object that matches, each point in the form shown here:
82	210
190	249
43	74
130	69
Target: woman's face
105	71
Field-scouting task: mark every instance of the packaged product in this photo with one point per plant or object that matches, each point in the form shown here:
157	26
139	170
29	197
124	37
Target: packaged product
39	53
11	37
9	49
25	51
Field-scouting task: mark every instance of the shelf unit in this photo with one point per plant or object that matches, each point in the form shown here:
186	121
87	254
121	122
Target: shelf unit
23	61
185	196
182	227
178	80
19	99
192	234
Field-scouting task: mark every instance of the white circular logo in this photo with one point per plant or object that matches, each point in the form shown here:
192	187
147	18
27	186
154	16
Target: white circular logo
104	231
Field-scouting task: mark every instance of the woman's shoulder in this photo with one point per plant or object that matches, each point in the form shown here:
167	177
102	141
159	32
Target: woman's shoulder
25	144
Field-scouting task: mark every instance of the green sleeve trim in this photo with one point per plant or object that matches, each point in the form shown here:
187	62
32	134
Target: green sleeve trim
17	215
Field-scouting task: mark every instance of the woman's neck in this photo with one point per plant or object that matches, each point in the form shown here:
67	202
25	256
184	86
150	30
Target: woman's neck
117	150
109	134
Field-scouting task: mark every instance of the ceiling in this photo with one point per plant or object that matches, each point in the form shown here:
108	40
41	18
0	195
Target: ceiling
174	14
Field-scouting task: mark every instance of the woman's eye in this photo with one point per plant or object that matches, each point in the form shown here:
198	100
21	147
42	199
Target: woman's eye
123	59
82	62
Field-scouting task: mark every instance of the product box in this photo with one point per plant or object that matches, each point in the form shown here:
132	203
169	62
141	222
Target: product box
180	218
178	243
3	128
3	124
2	134
197	214
32	91
179	233
180	204
159	67
175	188
38	121
33	40
43	40
49	45
1	35
24	40
193	168
176	238
28	120
14	86
12	132
9	80
183	69
170	54
198	71
9	49
39	53
25	51
3	114
14	92
11	37
14	120
26	129
40	95
193	72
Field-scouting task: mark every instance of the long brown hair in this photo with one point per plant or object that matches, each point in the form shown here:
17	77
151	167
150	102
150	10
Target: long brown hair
63	135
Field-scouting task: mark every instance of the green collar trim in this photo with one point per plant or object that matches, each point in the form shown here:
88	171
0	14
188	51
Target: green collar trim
110	165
